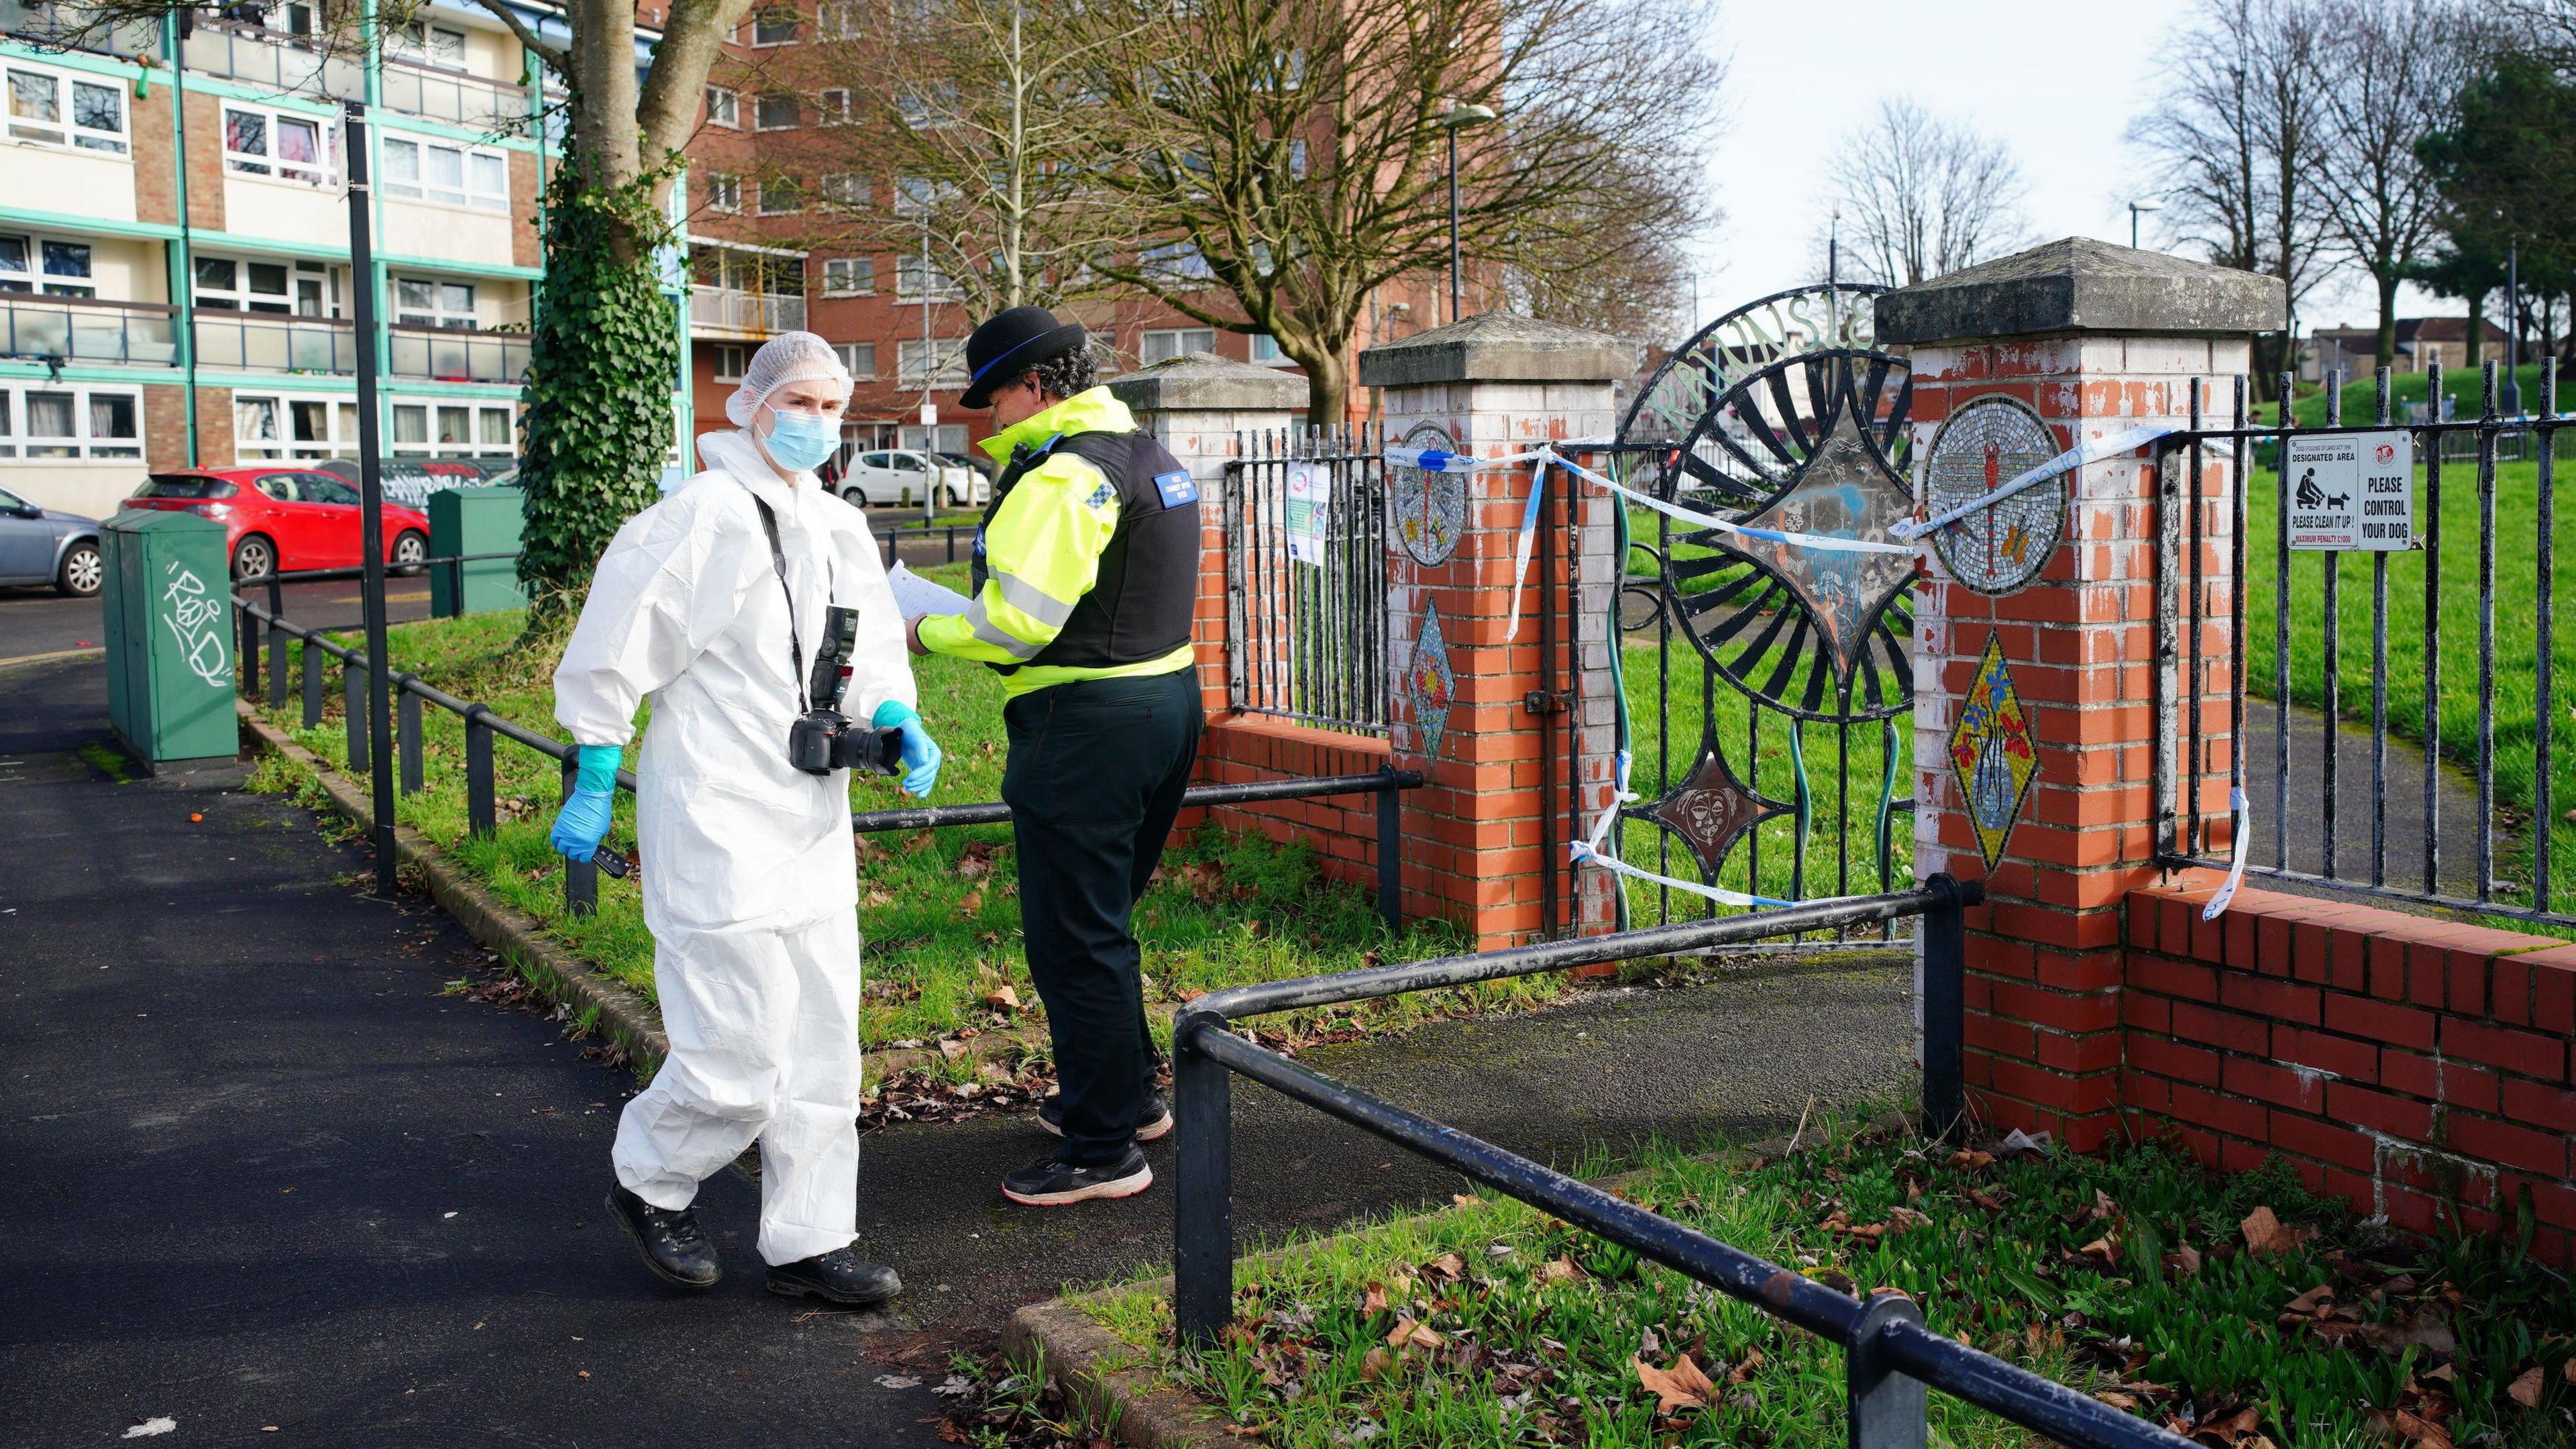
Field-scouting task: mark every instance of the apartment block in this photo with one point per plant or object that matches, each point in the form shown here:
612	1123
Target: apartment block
175	278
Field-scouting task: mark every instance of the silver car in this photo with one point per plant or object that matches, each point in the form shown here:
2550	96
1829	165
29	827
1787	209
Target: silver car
40	546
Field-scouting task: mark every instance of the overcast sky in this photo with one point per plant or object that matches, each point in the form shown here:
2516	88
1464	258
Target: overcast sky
2057	82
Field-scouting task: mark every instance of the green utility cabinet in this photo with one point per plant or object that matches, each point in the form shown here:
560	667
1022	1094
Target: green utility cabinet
469	521
167	593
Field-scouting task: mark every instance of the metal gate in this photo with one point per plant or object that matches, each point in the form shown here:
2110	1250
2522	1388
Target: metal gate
1305	577
1767	687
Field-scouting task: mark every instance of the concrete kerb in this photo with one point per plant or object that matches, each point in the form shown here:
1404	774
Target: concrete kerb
631	1022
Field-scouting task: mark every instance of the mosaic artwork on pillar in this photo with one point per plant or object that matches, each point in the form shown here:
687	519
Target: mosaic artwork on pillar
1984	444
1430	683
1430	508
1992	751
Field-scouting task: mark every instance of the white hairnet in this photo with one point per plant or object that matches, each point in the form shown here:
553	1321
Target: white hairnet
785	358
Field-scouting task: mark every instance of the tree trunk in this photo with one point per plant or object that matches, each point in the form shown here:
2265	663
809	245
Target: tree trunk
1328	386
2477	328
2384	346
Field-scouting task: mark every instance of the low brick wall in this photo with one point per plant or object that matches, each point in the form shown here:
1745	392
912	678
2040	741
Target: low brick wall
1242	749
2398	1061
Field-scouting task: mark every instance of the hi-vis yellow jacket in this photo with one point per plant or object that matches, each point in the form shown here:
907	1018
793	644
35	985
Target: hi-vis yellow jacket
1041	546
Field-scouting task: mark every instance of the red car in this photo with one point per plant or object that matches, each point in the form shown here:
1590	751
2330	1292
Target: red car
280	518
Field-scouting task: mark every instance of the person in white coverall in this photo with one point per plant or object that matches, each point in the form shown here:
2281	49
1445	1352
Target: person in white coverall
750	881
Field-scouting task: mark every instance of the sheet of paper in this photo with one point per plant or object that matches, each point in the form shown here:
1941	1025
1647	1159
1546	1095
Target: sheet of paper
916	596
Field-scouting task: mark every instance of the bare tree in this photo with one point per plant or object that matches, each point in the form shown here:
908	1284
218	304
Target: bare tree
1922	196
2235	143
1287	157
2390	68
1628	276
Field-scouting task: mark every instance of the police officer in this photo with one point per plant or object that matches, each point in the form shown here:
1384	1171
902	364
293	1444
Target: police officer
1085	579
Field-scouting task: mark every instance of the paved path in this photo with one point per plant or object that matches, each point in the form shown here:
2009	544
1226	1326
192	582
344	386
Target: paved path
2404	832
240	1110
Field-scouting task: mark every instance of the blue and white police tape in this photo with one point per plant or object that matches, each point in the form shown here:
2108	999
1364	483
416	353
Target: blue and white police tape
1589	852
1710	520
2238	818
2092	451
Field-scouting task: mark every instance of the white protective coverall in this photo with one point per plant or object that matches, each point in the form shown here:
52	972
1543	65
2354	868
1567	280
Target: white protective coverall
749	877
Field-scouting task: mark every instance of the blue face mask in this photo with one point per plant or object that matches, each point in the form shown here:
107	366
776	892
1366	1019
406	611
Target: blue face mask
800	441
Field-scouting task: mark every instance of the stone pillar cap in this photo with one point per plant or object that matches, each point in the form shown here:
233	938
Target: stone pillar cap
1203	381
1499	347
2082	285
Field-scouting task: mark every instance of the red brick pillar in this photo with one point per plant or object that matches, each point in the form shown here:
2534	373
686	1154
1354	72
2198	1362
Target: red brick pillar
1477	836
2085	340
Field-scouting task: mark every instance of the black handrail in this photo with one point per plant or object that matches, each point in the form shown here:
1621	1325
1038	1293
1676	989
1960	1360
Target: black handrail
581	881
1890	1357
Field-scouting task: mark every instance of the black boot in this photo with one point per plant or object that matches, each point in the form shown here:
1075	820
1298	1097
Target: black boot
839	1276
1155	1122
671	1243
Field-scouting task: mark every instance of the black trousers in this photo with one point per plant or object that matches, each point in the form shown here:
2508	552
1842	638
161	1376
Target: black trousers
1094	780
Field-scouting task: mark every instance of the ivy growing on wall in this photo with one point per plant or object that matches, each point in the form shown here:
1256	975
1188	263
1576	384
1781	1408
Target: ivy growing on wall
604	353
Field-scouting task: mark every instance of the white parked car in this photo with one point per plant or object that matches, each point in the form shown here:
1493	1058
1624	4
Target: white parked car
902	476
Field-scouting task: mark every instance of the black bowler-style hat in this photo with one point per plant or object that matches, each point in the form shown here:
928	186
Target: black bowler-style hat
1009	345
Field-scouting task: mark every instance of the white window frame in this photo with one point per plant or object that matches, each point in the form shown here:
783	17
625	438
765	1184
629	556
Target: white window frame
475	416
441	312
832	106
838	20
724	192
415	43
1264	350
727	363
760	103
794	193
477	168
860	358
910	285
239	297
795	25
339	415
63	128
17	439
1161	344
849	276
724	107
948	353
33	279
845	188
264	164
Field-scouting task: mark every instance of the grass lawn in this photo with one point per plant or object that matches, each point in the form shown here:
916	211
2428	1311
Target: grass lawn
938	907
2129	1276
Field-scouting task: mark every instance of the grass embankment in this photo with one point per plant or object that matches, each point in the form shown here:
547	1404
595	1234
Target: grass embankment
2133	1276
939	907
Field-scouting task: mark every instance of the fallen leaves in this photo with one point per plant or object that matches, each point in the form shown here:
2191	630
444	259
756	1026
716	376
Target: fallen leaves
2526	1390
1683	1386
2265	1233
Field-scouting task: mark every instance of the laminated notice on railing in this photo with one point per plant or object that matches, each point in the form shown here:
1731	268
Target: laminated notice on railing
1304	514
2350	491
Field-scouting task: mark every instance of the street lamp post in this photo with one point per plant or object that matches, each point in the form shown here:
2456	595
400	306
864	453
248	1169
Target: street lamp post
2134	208
1454	120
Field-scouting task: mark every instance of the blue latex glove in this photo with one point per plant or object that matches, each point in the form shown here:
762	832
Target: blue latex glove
582	823
921	754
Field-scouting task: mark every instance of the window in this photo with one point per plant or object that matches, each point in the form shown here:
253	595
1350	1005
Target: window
776	111
859	357
950	357
724	108
42	264
66	109
926	106
728	362
1165	343
421	302
451	430
448	175
1176	262
913	195
774	27
849	276
781	197
845	188
294	427
834	107
243	286
724	193
428	45
1265	351
57	421
909	281
839	19
280	144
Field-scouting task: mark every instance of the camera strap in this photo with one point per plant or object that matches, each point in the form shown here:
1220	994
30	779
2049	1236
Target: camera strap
778	561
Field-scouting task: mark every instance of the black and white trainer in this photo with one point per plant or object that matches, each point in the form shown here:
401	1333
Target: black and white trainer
1049	1183
1156	1121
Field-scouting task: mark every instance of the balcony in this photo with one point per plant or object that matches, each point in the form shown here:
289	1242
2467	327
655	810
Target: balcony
274	342
457	355
258	56
83	329
744	314
453	96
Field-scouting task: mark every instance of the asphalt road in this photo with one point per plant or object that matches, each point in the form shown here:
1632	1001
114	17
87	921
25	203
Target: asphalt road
37	622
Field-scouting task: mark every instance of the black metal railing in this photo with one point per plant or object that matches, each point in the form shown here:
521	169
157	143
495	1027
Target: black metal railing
2309	836
1305	577
581	878
1890	1357
904	533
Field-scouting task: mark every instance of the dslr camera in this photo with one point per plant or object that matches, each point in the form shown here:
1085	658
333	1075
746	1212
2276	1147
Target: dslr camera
823	739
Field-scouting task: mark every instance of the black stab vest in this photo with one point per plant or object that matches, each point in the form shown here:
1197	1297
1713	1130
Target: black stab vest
1145	596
